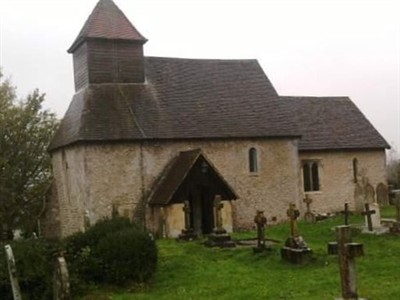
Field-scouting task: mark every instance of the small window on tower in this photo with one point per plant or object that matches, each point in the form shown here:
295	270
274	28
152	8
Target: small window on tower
253	164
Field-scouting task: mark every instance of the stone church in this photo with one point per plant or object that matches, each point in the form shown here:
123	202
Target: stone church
143	135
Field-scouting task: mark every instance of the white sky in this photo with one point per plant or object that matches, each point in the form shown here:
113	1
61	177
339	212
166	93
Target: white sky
306	48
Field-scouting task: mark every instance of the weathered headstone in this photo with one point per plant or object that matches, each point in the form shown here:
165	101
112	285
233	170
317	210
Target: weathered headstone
376	217
219	237
61	286
359	197
369	193
382	194
295	249
367	213
308	215
260	221
12	271
188	232
346	213
347	252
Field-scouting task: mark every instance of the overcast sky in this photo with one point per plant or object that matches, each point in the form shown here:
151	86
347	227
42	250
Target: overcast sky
306	48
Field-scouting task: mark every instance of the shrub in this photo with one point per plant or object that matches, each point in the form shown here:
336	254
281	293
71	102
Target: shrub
34	262
112	251
127	255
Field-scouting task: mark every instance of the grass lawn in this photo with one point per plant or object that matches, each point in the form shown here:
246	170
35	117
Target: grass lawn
192	271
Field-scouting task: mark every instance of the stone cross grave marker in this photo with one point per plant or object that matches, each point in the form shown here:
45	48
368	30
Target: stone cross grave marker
260	221
219	237
347	252
61	288
295	249
218	205
346	213
308	215
367	213
188	232
12	270
293	214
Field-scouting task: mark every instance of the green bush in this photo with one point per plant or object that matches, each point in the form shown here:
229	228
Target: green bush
127	255
35	264
112	251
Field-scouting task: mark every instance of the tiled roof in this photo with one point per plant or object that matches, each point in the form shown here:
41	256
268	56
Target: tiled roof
107	21
166	189
181	99
329	123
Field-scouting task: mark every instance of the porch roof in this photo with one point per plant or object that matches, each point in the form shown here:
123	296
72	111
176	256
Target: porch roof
173	177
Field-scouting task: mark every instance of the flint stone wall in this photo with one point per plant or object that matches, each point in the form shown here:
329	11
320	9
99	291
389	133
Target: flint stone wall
336	175
93	178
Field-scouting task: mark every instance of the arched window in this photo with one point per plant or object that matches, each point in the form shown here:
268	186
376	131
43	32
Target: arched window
253	164
315	176
311	176
355	169
306	177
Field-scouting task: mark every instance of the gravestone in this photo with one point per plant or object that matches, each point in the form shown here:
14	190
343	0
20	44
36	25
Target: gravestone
12	271
382	194
376	217
219	237
188	232
368	219
359	198
346	213
369	193
308	215
347	252
61	286
295	250
260	221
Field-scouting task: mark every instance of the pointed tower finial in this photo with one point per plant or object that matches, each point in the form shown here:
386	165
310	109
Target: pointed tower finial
108	49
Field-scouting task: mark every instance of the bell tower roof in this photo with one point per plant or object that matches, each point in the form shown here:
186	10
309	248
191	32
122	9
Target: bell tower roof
107	21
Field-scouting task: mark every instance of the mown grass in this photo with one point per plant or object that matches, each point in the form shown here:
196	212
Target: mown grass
192	271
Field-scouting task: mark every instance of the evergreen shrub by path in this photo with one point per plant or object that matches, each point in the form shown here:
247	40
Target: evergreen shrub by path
113	251
192	271
34	259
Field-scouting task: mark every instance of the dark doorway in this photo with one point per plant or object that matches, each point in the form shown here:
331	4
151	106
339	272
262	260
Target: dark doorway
207	208
201	210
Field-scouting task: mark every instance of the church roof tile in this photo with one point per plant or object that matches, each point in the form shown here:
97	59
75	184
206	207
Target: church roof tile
181	99
332	123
